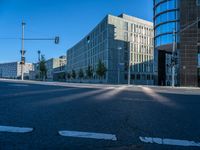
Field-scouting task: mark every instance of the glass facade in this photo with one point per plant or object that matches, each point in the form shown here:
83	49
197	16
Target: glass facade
166	20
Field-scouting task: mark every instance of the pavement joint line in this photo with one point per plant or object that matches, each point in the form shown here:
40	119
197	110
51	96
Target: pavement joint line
15	129
173	142
90	135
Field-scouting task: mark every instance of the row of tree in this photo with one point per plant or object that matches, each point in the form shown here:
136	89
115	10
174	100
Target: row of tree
100	71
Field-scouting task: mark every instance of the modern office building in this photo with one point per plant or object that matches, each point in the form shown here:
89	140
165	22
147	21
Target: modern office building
13	70
177	21
119	42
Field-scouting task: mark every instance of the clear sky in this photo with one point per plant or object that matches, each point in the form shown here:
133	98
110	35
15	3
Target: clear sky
70	19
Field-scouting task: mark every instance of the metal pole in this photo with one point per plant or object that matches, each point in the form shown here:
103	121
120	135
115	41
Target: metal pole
39	58
22	52
118	73
129	69
118	66
173	58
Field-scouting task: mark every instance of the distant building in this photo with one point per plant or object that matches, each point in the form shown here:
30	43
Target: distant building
59	73
13	70
116	41
51	65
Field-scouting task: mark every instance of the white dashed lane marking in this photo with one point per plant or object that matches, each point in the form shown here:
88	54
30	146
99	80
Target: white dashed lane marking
100	136
15	129
173	142
18	85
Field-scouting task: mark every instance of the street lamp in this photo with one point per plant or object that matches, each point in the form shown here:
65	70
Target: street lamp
39	58
129	66
118	66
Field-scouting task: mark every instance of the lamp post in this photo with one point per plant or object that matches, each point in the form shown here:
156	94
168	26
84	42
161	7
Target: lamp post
129	66
118	65
39	58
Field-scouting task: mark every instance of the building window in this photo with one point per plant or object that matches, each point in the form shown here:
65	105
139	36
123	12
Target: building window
138	76
198	23
198	48
125	26
126	77
132	77
198	2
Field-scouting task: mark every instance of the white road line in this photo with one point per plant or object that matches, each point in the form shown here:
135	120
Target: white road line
91	135
18	85
174	142
15	129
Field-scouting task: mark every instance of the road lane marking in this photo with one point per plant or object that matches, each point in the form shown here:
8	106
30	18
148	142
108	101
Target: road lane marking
174	142
100	136
15	129
18	85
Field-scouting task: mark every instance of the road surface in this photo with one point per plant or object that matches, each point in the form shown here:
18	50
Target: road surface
45	115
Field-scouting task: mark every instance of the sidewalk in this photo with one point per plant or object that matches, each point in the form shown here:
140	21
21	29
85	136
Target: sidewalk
93	85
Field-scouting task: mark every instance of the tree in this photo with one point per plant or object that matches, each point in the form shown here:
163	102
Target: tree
89	72
61	76
42	68
73	74
68	75
81	74
101	69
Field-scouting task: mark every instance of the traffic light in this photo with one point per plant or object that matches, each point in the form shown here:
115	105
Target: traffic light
57	40
199	24
22	61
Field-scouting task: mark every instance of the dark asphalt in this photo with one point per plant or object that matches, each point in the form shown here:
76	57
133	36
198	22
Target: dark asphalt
128	113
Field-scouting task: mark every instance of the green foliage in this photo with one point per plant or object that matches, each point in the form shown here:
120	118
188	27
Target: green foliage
42	67
68	75
73	74
61	76
101	69
89	72
81	73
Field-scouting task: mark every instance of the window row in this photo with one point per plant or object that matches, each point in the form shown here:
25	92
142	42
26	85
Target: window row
166	17
139	77
168	5
168	27
136	28
164	39
141	49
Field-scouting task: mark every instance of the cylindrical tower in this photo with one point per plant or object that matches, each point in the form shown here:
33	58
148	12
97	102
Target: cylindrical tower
166	21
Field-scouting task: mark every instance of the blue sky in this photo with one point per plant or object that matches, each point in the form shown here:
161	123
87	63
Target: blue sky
70	19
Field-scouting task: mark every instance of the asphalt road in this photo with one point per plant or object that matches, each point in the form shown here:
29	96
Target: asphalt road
129	113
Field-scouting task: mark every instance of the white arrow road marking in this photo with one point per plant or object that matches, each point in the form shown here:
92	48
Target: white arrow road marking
15	129
169	141
91	135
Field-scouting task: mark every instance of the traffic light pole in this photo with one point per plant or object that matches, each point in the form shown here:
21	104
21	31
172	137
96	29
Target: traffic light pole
173	58
22	52
56	40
